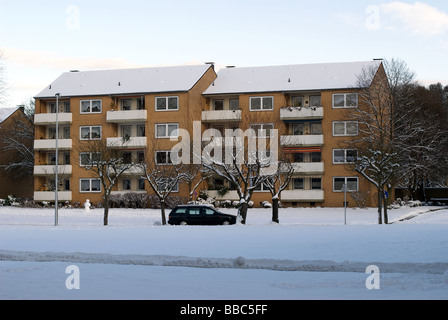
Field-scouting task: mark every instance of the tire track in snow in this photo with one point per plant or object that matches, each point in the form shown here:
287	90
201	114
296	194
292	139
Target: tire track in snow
224	263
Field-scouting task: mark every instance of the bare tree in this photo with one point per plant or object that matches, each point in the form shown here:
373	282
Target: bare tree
107	164
238	161
278	182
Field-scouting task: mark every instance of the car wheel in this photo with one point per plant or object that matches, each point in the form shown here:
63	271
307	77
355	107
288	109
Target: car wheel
183	223
225	222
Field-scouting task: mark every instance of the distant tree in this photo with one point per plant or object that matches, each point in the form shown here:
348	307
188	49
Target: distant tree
18	138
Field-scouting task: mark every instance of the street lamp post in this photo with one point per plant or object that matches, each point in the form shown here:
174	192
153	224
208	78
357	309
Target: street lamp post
344	188
56	178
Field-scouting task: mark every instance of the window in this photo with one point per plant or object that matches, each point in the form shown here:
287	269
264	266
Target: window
297	102
262	130
141	184
141	104
126	104
167	130
90	185
261	103
298	184
218	105
344	156
298	129
126	131
126	184
315	101
91	106
90	133
141	131
316	128
86	158
352	184
299	157
166	183
316	157
127	157
345	100
209	212
345	128
316	183
194	211
234	104
167	103
140	156
163	157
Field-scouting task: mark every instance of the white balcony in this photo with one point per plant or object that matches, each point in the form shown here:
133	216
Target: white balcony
134	171
222	116
45	119
51	170
132	142
63	144
50	196
316	168
304	113
302	196
127	116
304	140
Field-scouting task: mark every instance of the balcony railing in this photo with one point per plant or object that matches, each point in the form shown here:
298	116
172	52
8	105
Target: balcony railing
124	143
63	144
127	116
230	195
222	115
44	119
51	170
308	168
303	195
303	140
304	113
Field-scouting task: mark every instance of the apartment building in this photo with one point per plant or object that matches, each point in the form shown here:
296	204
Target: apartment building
308	105
134	110
137	110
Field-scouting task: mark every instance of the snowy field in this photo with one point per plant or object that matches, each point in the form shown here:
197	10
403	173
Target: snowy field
311	254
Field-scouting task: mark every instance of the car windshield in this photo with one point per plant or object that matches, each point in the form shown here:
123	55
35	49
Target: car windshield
209	211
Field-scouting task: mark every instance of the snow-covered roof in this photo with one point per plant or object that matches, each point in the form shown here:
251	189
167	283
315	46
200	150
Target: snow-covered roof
5	113
305	77
125	81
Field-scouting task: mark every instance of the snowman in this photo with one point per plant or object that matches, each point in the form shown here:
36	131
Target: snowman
87	206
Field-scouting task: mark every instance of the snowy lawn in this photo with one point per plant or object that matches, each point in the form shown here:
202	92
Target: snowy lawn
311	254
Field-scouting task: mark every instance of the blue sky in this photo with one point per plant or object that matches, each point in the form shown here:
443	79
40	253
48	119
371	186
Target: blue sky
42	39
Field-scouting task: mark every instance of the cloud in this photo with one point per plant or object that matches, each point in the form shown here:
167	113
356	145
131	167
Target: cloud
419	17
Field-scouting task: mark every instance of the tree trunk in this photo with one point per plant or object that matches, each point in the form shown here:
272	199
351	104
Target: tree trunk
162	208
386	218
275	204
380	200
243	212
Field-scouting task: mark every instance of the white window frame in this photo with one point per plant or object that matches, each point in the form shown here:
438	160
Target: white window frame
345	100
91	102
345	156
166	126
261	105
345	181
168	158
345	129
90	127
167	103
90	185
90	154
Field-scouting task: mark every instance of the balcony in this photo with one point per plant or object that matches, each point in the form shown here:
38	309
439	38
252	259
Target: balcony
221	116
316	168
230	195
305	113
302	196
127	116
50	170
132	142
45	119
43	145
50	196
300	141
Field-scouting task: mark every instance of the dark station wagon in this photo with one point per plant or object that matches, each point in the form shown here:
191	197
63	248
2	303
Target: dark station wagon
199	215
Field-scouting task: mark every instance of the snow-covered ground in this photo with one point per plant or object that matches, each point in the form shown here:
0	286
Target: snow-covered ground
311	254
